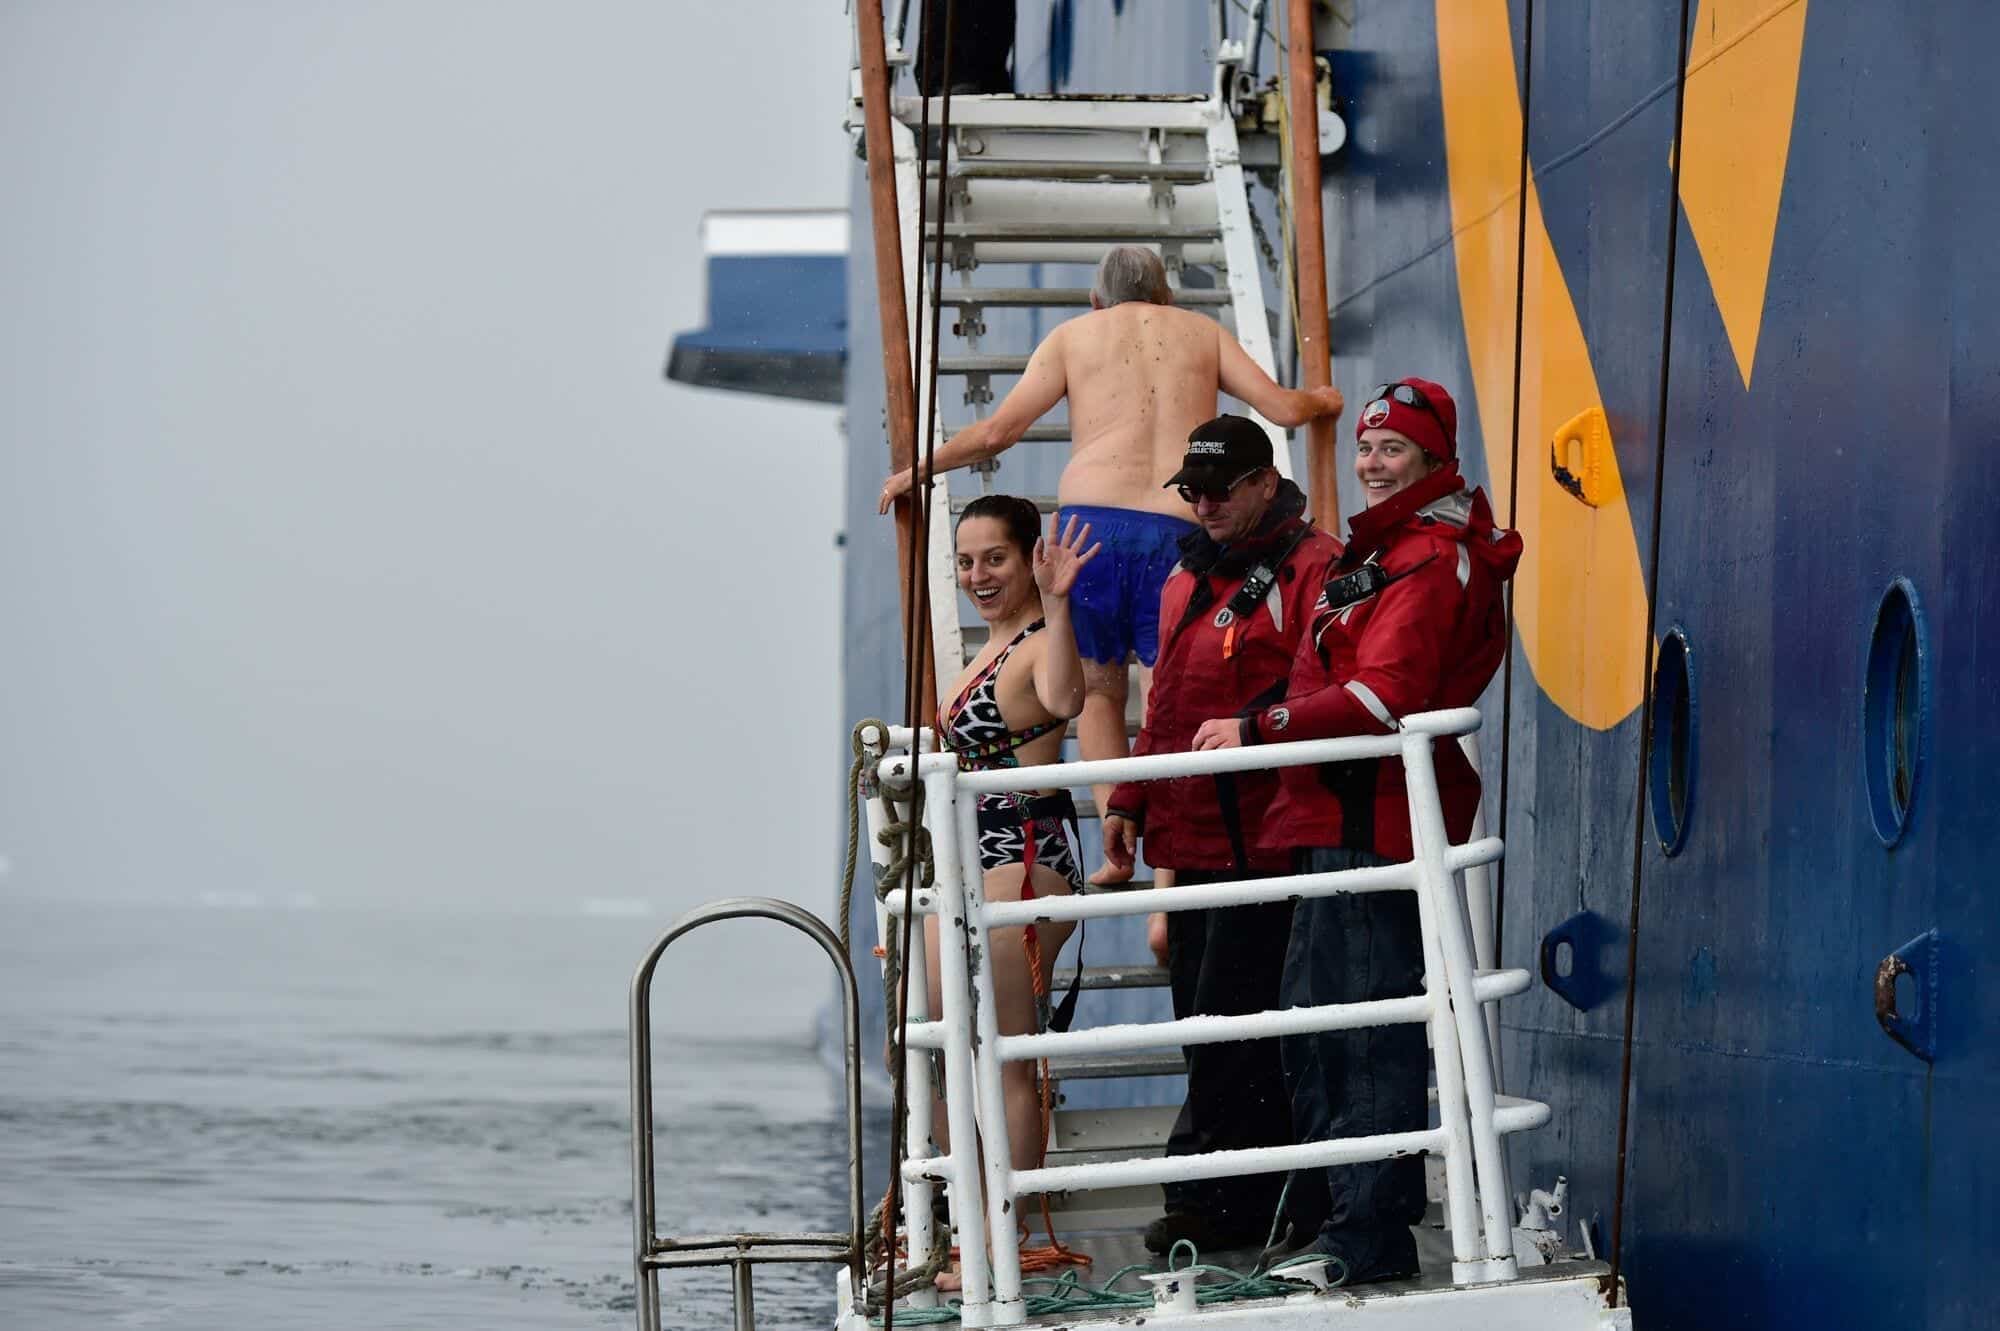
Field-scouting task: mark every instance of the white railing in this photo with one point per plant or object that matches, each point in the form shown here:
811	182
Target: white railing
1472	1115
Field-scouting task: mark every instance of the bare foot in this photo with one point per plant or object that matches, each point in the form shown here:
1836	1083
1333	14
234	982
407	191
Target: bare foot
1109	874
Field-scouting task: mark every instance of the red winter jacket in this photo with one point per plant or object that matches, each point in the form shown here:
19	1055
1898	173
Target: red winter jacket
1431	638
1205	670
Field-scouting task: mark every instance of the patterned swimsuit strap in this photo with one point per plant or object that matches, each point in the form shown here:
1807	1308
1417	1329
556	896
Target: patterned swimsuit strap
948	716
1006	746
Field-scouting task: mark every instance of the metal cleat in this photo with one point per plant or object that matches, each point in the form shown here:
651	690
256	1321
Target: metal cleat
1537	1242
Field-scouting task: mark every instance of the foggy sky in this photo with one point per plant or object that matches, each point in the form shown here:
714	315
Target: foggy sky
353	548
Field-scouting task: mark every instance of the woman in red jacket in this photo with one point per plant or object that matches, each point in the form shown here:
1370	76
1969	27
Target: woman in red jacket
1410	620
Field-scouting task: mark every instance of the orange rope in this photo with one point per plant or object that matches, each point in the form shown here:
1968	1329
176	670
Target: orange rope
1056	1254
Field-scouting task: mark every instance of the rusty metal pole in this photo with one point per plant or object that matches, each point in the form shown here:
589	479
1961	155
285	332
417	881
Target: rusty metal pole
1309	262
898	387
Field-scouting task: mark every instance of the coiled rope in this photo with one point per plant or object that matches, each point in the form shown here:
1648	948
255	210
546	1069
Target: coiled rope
909	849
1069	1294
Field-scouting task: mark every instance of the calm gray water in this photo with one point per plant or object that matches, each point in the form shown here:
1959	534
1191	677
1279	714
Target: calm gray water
334	1118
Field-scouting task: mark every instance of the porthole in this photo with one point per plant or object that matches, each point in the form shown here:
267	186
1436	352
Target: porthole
1670	777
1895	704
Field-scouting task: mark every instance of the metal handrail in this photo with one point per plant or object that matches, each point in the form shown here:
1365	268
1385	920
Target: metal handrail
1161	766
1473	1116
739	1252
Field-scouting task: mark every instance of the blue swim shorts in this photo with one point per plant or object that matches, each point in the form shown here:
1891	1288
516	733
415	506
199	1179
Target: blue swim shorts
1115	605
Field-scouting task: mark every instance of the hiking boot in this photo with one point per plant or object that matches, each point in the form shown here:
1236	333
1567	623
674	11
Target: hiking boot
1207	1233
1369	1256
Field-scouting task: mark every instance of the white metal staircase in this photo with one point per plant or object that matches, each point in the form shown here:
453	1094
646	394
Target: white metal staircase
1032	181
1029	185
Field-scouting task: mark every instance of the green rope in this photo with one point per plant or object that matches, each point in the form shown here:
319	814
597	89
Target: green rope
1069	1293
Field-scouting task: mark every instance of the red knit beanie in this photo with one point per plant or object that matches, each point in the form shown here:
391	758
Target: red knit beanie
1433	428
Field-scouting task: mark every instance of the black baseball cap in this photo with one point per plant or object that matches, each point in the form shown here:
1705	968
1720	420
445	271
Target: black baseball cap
1228	446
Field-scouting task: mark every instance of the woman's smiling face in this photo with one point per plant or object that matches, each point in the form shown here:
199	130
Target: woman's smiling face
1385	462
991	569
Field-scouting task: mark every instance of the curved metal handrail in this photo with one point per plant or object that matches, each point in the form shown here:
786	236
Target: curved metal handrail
650	1253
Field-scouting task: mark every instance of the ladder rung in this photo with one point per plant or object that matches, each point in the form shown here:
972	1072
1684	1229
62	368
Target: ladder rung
1072	231
1056	433
981	364
1185	113
1055	296
1152	1064
1112	977
995	169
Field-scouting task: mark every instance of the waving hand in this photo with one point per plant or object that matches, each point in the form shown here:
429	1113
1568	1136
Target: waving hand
1058	559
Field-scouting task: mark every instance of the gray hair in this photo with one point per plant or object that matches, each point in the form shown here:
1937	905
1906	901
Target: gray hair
1131	272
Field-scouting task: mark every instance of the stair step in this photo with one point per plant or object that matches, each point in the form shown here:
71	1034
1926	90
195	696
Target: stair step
981	364
1080	1067
1113	1128
1101	1210
988	168
1121	232
1112	977
1056	433
1176	112
1055	296
1059	1156
1105	1156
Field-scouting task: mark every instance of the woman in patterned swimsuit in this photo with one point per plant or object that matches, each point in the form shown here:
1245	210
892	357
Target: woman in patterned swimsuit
1008	710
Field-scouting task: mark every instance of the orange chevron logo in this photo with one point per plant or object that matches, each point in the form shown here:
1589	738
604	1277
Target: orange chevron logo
1742	88
1580	594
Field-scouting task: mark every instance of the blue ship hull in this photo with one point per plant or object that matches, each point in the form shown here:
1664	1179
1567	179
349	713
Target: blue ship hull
1797	356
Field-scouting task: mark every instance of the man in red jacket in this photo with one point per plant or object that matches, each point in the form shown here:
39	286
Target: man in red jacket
1410	620
1231	616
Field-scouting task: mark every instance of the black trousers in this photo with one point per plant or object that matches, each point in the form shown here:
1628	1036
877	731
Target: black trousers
1227	962
1348	949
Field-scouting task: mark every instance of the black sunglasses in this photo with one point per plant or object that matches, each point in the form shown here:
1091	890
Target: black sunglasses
1214	490
1405	394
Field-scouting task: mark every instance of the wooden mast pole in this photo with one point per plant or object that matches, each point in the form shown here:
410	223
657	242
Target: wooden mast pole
898	385
1309	262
